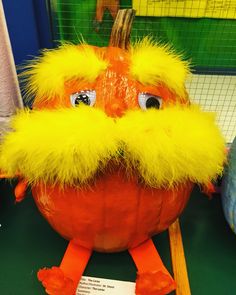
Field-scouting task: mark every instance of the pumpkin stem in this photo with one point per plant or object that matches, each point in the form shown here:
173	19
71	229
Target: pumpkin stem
120	34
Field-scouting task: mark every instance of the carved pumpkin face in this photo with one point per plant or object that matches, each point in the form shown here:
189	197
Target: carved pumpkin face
114	144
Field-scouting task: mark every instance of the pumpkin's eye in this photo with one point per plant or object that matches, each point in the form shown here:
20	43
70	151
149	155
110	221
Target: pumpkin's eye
147	101
87	97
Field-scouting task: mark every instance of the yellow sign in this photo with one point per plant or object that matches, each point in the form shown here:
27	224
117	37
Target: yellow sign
186	8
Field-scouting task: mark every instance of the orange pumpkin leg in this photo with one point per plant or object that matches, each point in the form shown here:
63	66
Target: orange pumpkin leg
153	278
64	280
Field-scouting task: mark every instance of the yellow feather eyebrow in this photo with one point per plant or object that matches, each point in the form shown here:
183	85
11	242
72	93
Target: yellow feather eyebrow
152	64
46	75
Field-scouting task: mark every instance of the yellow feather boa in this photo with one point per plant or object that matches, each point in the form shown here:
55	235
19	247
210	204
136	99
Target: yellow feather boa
69	146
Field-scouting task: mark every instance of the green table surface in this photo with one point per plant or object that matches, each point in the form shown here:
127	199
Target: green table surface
28	243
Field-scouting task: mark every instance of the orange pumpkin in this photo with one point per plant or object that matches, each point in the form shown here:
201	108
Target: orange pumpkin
102	217
115	215
114	211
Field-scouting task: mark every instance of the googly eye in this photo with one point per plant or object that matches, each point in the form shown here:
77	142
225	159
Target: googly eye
147	101
87	97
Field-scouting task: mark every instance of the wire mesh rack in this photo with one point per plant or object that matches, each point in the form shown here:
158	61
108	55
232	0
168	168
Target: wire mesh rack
203	31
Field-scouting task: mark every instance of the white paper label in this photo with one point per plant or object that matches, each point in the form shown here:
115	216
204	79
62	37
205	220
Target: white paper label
99	286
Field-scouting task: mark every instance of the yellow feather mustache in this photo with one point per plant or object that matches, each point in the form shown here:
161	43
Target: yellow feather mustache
69	146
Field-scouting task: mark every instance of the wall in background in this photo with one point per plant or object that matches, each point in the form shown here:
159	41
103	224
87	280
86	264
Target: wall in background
28	27
216	93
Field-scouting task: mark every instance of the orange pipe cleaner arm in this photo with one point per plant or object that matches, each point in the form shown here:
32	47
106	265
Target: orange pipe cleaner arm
153	277
20	190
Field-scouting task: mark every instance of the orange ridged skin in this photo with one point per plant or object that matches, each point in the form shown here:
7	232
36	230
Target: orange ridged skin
113	215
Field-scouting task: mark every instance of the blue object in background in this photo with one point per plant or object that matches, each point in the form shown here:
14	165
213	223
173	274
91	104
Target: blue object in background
229	188
28	26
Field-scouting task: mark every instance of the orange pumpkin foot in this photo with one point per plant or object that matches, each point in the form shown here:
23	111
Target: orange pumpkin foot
55	282
154	283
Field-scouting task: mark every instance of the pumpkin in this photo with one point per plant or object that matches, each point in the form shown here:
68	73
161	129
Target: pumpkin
111	150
